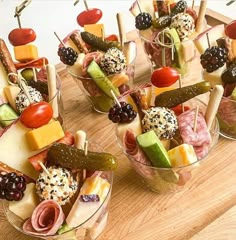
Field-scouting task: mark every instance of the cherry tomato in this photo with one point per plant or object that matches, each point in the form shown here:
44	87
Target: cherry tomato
89	16
164	77
230	30
112	37
36	115
21	36
37	63
178	109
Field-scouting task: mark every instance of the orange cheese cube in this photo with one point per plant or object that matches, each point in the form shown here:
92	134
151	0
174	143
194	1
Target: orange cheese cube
26	53
43	136
96	29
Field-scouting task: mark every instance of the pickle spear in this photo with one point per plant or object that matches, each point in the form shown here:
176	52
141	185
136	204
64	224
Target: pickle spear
177	96
98	43
71	157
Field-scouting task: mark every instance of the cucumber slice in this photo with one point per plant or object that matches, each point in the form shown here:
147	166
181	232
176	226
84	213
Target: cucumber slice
101	80
7	115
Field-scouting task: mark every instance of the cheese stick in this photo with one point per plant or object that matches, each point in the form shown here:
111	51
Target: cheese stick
213	104
52	89
201	16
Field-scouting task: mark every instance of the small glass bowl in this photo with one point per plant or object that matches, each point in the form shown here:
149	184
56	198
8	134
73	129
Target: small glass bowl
165	180
226	116
90	229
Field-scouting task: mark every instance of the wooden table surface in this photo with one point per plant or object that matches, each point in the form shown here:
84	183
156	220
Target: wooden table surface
204	210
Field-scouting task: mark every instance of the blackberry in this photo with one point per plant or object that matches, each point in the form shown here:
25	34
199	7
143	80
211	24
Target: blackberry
162	22
179	7
12	187
67	55
123	114
213	58
143	21
229	74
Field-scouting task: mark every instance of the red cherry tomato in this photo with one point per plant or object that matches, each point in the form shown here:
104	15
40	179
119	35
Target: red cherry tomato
178	109
230	30
164	77
21	36
112	37
37	63
89	16
36	115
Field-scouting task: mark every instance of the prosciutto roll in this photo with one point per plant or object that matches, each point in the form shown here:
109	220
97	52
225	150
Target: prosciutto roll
45	220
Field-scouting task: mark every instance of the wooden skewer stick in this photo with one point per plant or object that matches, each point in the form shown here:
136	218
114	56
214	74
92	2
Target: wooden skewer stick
86	148
193	3
180	86
86	5
139	6
115	98
59	39
22	85
163	52
43	167
34	73
195	119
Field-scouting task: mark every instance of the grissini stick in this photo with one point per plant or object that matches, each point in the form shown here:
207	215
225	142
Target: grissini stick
201	16
52	89
122	32
7	62
80	138
213	104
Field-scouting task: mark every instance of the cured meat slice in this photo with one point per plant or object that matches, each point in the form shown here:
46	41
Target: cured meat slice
200	139
46	219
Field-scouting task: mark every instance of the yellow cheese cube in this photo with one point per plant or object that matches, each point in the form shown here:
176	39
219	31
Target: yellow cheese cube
11	93
43	136
26	53
182	155
96	29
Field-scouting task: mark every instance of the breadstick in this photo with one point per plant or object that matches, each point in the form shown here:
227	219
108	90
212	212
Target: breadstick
52	89
213	104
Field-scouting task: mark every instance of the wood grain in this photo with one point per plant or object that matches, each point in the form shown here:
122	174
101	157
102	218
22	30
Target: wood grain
204	209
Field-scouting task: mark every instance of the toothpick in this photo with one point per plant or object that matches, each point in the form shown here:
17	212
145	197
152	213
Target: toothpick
139	6
43	167
208	40
115	98
19	9
86	148
180	86
76	2
86	5
163	54
22	85
195	119
59	39
34	73
168	6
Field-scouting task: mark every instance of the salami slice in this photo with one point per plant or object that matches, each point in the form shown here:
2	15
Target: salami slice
200	139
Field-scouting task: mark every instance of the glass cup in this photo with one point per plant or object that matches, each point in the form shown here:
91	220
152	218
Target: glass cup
89	229
165	180
159	47
226	116
100	101
55	101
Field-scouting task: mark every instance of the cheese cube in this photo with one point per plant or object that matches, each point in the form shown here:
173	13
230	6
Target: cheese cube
25	207
96	29
43	136
26	53
214	78
182	155
189	50
11	93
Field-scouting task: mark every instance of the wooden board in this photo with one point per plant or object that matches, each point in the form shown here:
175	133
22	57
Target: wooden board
205	209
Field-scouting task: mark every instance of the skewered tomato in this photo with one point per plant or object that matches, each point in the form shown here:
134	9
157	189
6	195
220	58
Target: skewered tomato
164	77
21	36
89	16
36	114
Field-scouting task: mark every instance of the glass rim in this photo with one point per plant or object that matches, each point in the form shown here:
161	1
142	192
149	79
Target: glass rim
214	125
5	205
